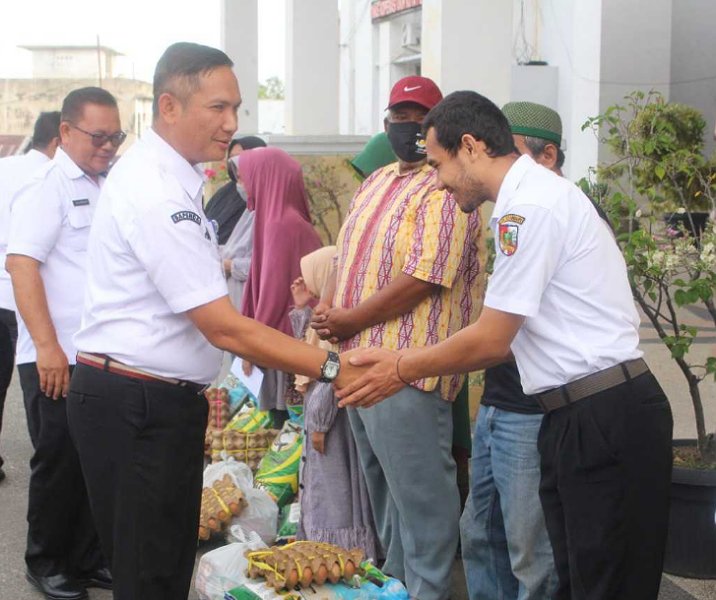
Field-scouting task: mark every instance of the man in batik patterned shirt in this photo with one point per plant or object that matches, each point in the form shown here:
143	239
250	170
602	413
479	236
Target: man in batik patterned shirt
407	276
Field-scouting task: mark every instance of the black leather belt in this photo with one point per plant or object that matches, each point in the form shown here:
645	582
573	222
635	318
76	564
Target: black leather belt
591	384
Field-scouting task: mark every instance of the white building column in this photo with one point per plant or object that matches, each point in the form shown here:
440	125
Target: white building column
468	46
239	39
312	60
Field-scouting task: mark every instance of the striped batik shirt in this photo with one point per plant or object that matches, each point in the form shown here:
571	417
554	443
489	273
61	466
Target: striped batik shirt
401	223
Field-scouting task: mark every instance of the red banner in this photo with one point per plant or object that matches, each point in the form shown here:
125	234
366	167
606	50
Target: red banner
383	8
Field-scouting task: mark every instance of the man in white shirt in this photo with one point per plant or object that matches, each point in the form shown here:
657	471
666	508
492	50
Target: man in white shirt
15	172
559	300
46	258
156	316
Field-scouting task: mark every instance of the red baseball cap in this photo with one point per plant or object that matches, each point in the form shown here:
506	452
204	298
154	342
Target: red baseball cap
420	90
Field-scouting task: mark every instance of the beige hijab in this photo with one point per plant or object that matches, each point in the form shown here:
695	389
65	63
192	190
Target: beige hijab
316	268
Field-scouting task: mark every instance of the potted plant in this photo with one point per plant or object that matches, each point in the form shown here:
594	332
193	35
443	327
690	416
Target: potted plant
657	164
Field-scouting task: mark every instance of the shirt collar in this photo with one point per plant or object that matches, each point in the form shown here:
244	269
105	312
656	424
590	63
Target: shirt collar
36	156
68	166
511	182
191	178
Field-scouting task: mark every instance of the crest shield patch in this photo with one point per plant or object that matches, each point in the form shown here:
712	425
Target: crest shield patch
508	233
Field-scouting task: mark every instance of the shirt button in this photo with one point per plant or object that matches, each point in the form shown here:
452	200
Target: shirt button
303	458
300	486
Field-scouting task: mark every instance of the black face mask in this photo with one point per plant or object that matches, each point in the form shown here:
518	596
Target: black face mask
407	141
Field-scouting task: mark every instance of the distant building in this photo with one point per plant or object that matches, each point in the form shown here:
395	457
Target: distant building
73	62
56	71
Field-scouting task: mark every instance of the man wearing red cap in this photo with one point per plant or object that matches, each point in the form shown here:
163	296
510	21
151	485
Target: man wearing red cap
406	278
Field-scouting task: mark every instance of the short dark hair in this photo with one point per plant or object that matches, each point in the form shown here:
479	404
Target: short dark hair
468	112
74	103
538	145
47	128
185	61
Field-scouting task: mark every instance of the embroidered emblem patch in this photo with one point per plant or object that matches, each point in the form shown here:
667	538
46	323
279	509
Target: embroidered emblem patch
509	233
186	215
81	202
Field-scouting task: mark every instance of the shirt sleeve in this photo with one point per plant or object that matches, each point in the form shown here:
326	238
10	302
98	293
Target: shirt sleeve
321	408
528	246
438	240
35	221
240	268
181	257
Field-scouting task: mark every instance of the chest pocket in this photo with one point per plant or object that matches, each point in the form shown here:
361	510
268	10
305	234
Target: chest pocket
79	219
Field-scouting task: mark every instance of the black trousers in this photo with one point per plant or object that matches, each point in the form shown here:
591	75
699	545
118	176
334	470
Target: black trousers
8	340
141	445
606	473
61	537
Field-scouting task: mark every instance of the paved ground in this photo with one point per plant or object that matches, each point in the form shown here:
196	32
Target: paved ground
16	450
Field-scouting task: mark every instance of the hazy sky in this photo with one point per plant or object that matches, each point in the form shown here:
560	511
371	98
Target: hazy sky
141	29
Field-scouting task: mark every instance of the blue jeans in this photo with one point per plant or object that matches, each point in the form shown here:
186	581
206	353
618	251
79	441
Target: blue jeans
505	549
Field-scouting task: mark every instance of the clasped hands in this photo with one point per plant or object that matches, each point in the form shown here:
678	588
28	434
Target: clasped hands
368	375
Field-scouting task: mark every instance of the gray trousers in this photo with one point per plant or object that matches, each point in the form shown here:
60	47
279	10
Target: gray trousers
404	448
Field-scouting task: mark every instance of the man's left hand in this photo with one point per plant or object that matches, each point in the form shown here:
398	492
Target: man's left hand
335	324
374	385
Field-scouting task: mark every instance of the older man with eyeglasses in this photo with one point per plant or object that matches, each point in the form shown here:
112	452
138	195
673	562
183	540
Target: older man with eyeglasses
47	246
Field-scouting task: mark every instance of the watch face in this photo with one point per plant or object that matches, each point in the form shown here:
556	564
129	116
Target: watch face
330	370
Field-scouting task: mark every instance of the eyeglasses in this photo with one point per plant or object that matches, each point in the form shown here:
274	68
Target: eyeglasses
100	139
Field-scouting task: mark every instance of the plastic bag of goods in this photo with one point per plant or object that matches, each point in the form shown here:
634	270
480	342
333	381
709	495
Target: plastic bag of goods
224	568
238	393
260	516
239	472
288	520
278	470
250	418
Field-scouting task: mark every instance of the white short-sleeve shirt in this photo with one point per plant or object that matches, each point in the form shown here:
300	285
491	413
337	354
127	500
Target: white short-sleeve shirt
153	255
557	264
50	222
15	173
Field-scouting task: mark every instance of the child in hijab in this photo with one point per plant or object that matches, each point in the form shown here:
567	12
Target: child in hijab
335	507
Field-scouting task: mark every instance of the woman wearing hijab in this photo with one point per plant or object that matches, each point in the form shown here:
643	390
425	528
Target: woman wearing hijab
335	507
227	205
283	233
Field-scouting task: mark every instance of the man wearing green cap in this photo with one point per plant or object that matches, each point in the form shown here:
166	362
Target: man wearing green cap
537	131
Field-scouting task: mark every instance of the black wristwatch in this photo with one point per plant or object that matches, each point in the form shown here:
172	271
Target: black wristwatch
330	368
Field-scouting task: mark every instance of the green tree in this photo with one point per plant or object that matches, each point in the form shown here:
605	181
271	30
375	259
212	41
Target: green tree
271	89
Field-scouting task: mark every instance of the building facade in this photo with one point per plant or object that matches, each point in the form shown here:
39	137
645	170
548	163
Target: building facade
577	57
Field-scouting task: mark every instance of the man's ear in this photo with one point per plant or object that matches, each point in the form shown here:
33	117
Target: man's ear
64	131
473	147
169	107
548	156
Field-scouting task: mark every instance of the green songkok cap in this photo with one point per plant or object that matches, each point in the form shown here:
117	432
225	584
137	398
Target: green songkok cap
534	120
377	153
